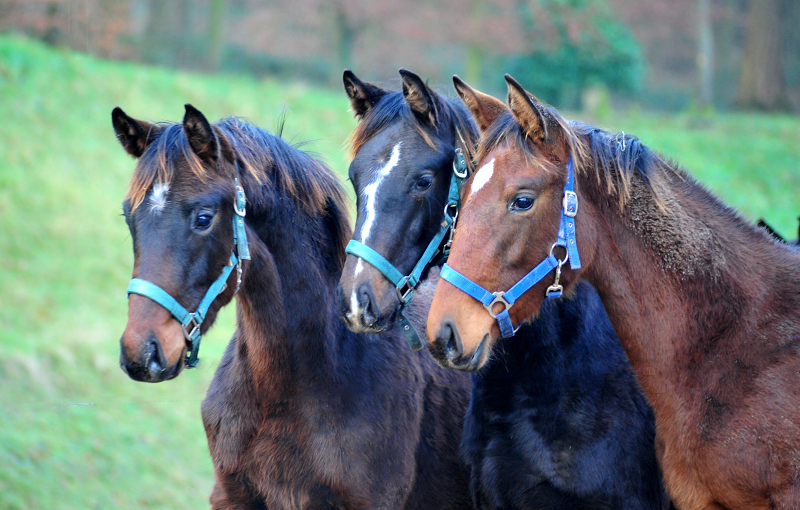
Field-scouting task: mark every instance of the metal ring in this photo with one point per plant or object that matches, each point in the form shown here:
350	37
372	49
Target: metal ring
450	206
566	256
459	157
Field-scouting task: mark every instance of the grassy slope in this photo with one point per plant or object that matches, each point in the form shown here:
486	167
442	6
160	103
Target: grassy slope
74	430
65	259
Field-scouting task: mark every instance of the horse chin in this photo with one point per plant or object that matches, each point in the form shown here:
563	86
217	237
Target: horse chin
142	373
358	320
383	324
148	362
465	362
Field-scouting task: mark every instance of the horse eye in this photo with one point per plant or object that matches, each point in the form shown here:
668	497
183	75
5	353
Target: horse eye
522	203
203	221
424	182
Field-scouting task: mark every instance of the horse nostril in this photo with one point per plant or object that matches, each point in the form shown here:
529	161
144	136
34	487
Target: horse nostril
448	343
367	303
153	357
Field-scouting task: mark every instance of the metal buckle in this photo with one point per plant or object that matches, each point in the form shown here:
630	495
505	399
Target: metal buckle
459	165
570	204
238	276
498	298
450	211
556	286
189	335
404	290
240	195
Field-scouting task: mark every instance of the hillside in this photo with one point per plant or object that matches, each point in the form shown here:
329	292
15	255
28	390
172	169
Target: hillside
75	432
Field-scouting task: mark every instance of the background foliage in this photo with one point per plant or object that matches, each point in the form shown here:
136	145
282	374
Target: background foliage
664	54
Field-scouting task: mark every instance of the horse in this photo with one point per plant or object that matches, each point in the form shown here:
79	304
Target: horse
556	419
706	305
792	243
301	413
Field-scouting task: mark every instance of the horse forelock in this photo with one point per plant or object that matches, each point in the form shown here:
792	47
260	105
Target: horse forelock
276	164
450	114
613	157
264	161
158	164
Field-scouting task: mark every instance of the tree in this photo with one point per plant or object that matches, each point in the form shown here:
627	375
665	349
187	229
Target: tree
705	52
761	82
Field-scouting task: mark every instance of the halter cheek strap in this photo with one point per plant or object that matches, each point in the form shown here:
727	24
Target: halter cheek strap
191	321
566	239
405	285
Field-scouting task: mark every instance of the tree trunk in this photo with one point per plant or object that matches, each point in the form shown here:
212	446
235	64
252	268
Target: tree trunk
705	53
216	16
345	36
761	83
154	41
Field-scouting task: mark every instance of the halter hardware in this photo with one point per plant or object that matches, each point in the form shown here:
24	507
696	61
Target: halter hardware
566	239
405	284
498	298
191	321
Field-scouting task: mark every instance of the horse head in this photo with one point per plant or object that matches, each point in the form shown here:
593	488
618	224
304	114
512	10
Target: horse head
180	210
402	167
508	223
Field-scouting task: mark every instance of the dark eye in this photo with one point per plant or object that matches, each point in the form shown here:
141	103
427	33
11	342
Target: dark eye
522	203
203	221
424	182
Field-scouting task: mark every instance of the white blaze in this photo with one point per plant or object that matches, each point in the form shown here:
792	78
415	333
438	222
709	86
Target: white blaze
372	190
482	177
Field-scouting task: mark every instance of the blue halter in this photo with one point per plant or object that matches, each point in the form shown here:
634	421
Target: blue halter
566	239
190	322
405	285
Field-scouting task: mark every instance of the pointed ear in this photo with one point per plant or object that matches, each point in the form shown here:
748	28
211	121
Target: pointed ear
363	96
134	135
528	110
419	97
485	108
200	134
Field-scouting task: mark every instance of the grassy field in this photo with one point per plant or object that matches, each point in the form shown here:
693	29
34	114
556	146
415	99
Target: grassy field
75	432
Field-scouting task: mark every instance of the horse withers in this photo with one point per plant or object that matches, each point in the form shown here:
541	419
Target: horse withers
706	305
556	418
301	413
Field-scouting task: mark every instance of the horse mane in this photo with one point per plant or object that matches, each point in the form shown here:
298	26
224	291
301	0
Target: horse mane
615	157
449	113
264	160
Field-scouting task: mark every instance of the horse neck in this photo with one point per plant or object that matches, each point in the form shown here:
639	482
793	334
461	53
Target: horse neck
287	325
683	288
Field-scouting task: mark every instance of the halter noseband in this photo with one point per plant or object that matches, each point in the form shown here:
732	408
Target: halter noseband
566	239
190	322
405	285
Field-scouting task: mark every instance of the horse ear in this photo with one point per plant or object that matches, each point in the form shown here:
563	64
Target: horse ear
527	109
134	135
200	135
419	97
363	95
485	108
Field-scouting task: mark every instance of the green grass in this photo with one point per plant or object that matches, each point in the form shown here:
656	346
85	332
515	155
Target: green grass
75	432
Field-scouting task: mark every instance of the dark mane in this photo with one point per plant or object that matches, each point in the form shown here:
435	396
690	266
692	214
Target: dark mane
449	112
614	156
264	160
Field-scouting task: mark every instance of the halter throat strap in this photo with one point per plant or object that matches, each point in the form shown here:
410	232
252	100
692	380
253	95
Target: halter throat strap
405	284
505	299
191	321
